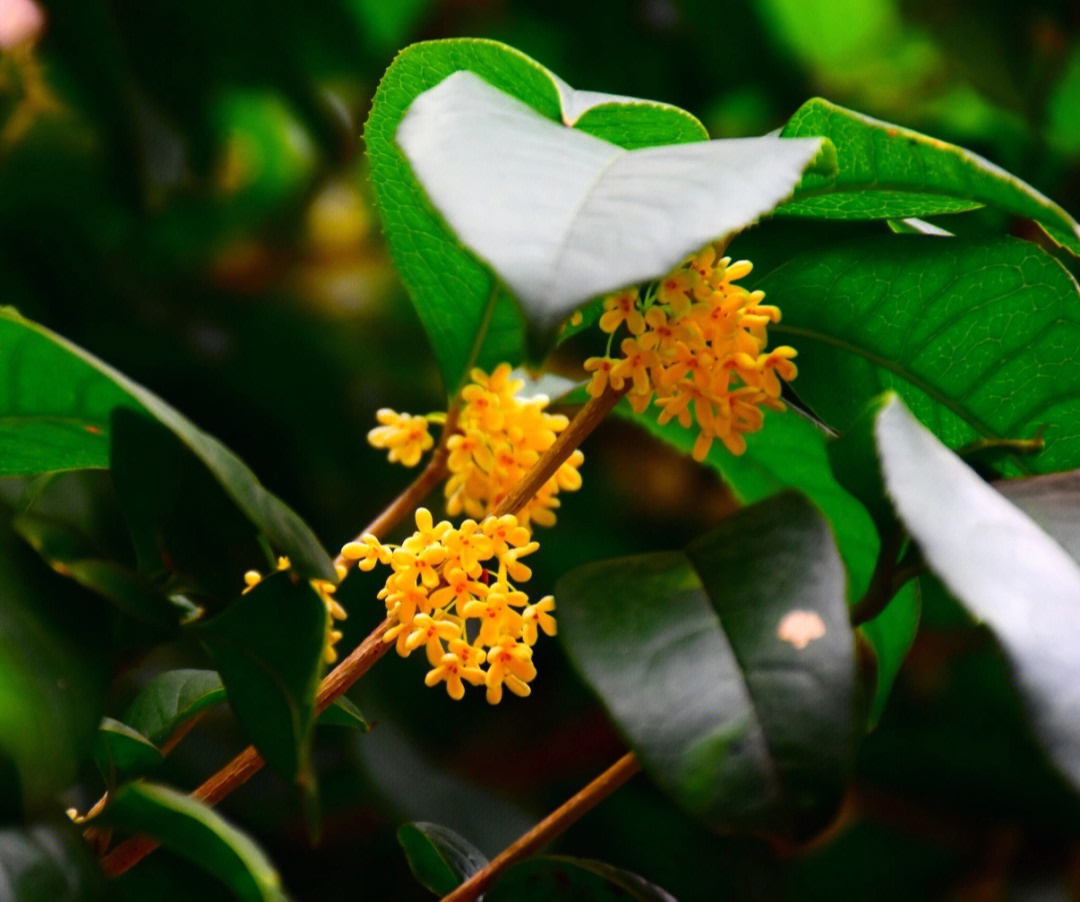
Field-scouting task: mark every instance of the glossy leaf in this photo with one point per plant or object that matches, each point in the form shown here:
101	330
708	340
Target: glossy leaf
172	698
438	857
1002	568
1052	501
888	172
558	877
48	862
268	648
600	217
343	713
55	403
450	287
730	668
53	673
122	753
193	830
71	554
955	325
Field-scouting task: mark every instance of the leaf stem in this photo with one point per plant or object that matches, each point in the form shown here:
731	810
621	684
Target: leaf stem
245	765
888	577
550	827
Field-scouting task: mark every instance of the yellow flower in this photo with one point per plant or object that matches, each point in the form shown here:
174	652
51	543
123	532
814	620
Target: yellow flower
452	670
406	437
622	308
538	617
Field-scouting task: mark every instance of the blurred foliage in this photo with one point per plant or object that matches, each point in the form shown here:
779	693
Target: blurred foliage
183	193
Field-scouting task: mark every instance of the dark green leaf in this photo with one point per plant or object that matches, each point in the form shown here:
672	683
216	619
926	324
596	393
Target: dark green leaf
1000	566
343	713
71	554
53	672
193	829
891	635
438	857
450	288
889	172
48	863
955	325
170	699
730	668
54	415
268	648
122	753
574	880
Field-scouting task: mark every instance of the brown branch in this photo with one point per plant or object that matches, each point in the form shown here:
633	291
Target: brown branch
550	827
245	765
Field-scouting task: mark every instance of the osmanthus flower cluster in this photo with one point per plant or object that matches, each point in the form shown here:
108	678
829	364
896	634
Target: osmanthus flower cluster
499	436
697	344
325	589
453	592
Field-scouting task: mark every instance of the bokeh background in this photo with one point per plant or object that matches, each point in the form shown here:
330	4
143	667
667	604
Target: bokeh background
183	192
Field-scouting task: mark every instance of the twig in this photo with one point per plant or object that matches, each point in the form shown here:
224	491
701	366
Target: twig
550	827
355	665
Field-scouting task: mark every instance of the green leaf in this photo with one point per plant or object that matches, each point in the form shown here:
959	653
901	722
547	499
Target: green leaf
891	635
172	698
888	172
48	862
343	713
53	672
268	648
71	554
55	403
600	217
954	325
450	287
193	829
578	879
1000	566
122	753
188	533
1052	501
439	858
730	668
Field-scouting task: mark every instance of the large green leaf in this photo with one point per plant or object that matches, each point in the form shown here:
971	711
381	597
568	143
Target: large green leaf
268	647
450	287
170	699
888	172
48	862
579	879
600	217
1000	566
54	650
979	337
438	857
730	667
193	829
55	402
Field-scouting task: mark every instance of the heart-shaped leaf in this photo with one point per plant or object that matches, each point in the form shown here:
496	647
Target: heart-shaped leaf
268	647
438	857
55	403
453	291
888	172
193	829
955	325
1002	568
562	216
730	667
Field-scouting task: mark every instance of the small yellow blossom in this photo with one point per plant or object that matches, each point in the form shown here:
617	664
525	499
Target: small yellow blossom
697	349
473	622
406	437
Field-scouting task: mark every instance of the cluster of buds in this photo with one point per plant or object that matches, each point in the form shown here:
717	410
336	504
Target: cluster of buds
453	591
325	590
499	436
696	344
